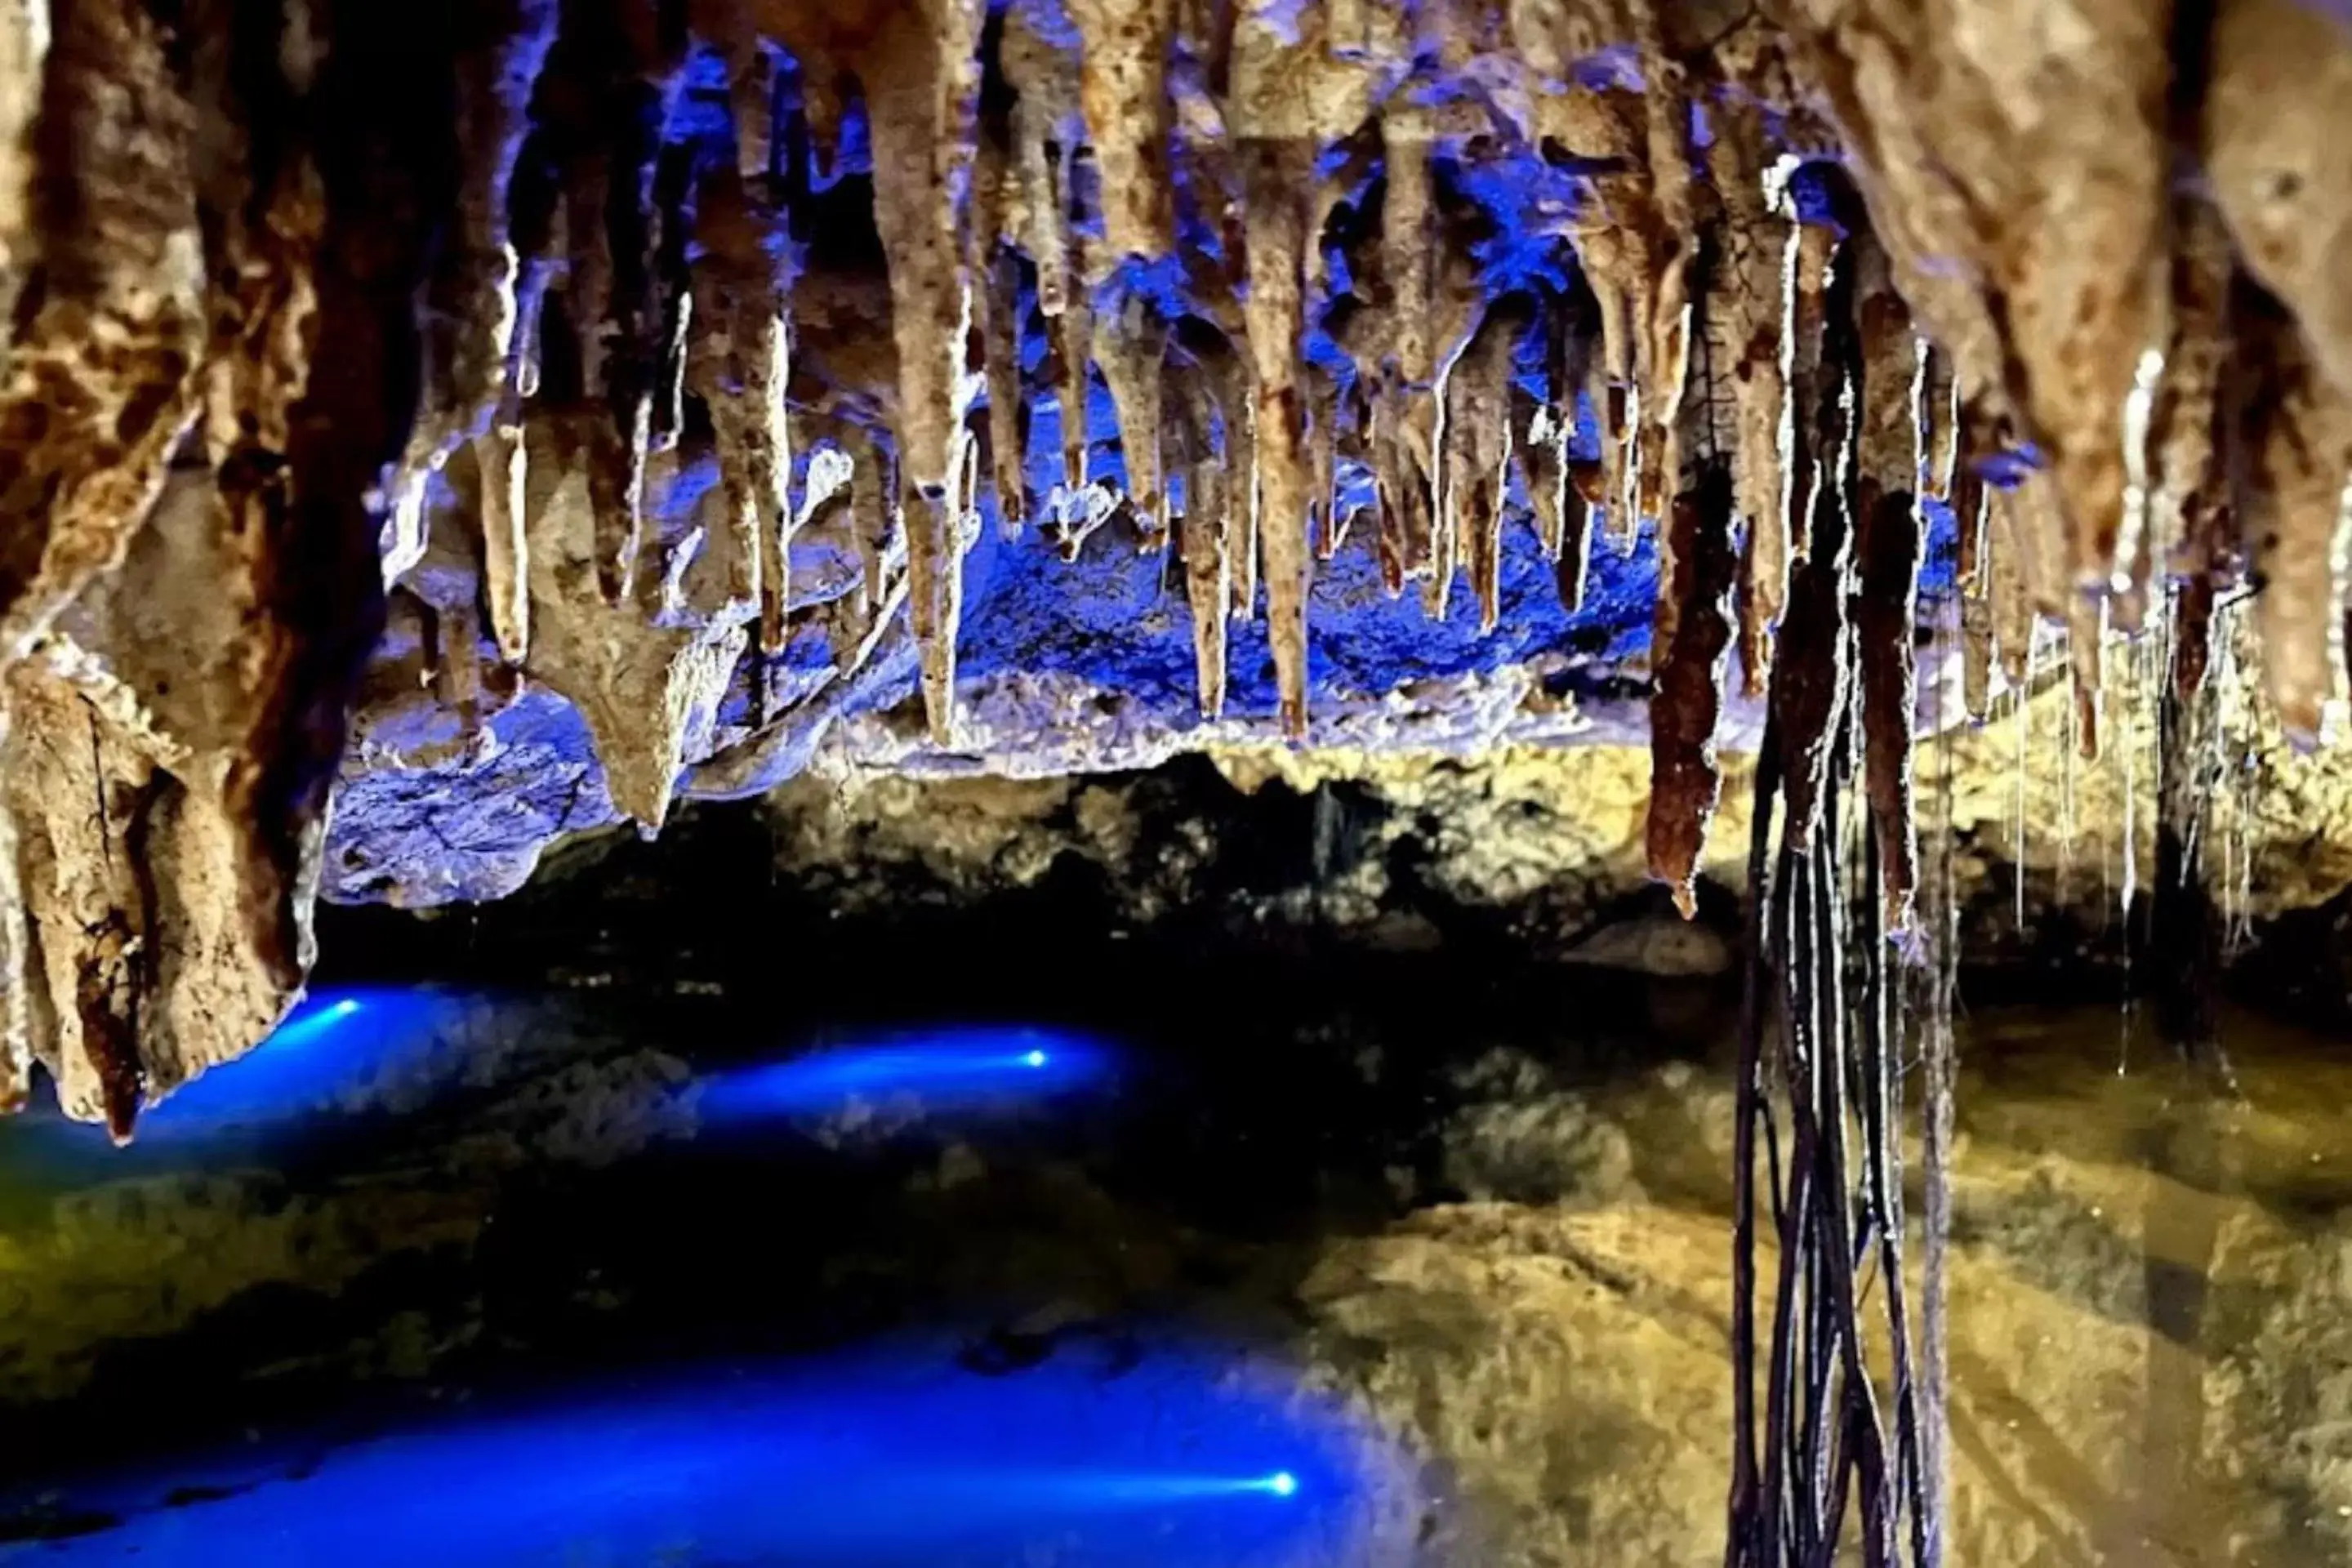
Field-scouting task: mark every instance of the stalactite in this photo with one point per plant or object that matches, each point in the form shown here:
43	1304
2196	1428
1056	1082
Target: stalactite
1943	415
1008	399
1972	514
1692	643
1665	361
2277	71
98	384
1323	421
1227	373
2298	439
1884	612
1208	502
502	462
1810	680
2185	475
1618	235
877	524
1563	519
740	372
1749	281
1478	452
2184	929
1124	90
1072	328
24	29
1130	347
1277	184
1886	605
2013	605
2086	640
922	80
469	307
999	315
1404	404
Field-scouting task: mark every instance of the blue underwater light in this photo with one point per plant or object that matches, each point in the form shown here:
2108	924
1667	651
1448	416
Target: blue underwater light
964	1068
325	1056
880	1458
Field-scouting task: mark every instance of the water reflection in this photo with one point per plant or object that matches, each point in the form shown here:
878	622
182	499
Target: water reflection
1168	1457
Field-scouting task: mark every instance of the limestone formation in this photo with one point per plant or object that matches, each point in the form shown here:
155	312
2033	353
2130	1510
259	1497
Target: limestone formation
640	382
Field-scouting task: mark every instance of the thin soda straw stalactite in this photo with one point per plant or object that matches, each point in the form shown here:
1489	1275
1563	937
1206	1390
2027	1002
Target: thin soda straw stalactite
1826	1435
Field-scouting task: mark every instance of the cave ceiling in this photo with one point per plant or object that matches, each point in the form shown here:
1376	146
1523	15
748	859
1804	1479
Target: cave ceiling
426	431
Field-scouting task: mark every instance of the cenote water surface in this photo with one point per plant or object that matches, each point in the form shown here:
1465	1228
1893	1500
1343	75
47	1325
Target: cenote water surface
1387	1274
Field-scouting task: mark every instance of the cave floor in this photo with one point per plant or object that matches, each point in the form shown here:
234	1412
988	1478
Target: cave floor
1383	1273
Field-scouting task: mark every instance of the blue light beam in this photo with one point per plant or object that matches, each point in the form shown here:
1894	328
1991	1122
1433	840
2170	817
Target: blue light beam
961	1068
880	1458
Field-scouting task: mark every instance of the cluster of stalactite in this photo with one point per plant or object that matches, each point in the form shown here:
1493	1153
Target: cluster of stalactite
1837	1427
288	344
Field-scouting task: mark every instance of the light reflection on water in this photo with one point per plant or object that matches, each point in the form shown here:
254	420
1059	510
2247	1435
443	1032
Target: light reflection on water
1179	1458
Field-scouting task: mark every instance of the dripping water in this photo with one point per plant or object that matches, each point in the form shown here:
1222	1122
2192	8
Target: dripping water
2023	719
2069	742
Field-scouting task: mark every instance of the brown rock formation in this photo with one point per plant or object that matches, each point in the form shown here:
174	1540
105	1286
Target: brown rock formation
740	299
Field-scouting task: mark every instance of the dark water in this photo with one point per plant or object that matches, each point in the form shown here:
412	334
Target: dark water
1208	1276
